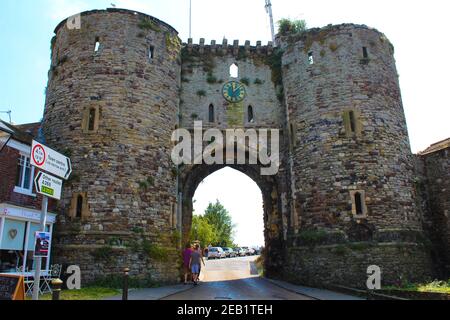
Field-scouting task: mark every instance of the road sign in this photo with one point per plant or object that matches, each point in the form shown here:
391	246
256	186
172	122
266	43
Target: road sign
48	185
51	161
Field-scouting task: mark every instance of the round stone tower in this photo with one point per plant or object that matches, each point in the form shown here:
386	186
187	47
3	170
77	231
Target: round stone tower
352	185
112	104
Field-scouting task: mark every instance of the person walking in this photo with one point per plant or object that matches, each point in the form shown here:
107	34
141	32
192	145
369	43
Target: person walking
186	262
195	263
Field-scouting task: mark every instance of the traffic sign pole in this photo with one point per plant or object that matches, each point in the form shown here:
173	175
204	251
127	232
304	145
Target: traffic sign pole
47	159
38	260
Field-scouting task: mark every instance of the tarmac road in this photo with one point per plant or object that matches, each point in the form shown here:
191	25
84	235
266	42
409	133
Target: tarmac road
234	279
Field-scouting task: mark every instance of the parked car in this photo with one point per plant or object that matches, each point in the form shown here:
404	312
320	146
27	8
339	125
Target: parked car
247	251
229	252
216	253
240	252
251	252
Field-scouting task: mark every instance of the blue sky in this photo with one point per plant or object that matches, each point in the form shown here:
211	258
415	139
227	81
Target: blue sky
418	29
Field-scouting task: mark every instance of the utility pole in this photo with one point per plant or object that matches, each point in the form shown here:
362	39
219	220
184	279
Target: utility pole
9	114
272	25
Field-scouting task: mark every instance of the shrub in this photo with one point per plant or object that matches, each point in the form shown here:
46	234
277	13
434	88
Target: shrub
245	81
312	237
258	81
201	93
148	24
211	79
287	26
155	251
104	253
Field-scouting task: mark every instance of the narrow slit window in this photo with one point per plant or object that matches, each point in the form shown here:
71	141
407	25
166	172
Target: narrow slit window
311	57
251	115
211	113
151	53
79	210
234	71
292	132
91	119
352	121
365	53
359	204
97	45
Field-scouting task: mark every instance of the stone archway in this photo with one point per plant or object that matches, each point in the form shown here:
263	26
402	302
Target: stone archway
190	178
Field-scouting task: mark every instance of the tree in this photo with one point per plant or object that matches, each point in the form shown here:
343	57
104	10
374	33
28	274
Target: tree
202	231
219	218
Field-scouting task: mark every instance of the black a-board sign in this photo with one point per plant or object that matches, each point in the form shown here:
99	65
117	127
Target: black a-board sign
12	287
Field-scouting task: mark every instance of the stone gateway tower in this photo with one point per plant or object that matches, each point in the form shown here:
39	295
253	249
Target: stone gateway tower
112	104
343	199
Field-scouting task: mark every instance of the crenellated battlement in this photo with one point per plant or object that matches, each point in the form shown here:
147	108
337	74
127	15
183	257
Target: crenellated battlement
225	48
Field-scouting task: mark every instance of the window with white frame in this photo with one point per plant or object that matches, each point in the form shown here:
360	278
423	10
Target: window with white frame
25	173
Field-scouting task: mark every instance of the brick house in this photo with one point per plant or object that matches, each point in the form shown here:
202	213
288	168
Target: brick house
19	204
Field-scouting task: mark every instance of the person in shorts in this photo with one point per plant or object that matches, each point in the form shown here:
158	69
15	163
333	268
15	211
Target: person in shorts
195	263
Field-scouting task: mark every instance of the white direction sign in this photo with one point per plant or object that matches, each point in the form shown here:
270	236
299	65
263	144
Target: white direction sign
49	160
48	185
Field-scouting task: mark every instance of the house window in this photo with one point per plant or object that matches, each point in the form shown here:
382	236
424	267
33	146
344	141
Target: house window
251	116
311	57
25	172
234	71
211	113
359	208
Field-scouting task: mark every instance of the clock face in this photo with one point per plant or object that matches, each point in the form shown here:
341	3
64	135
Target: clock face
234	91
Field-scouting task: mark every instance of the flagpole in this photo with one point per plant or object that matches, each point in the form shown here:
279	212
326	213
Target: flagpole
190	19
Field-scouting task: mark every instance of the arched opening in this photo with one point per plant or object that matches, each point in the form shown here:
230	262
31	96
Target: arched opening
234	71
191	178
241	197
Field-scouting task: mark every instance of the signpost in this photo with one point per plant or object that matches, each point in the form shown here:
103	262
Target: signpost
48	185
46	159
54	163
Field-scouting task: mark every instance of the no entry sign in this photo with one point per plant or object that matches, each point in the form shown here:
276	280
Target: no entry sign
49	160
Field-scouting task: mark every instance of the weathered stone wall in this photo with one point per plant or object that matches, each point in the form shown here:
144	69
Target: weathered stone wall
328	161
205	70
347	264
123	166
435	184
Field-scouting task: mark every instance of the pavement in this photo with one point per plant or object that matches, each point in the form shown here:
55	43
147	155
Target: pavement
153	293
234	279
